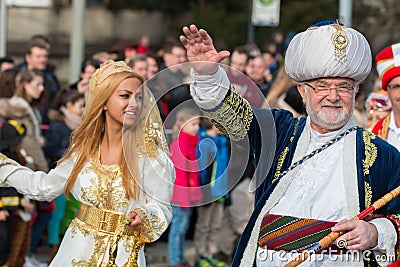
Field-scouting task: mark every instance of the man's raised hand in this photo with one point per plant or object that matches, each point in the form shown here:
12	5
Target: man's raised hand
201	51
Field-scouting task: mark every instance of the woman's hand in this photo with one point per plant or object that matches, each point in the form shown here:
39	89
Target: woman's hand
135	221
201	51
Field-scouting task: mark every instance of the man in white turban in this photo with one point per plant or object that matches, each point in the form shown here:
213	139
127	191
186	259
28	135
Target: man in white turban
321	170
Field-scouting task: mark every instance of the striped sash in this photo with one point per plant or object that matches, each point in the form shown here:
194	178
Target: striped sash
288	233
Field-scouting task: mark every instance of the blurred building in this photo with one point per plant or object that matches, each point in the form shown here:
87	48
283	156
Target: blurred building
103	28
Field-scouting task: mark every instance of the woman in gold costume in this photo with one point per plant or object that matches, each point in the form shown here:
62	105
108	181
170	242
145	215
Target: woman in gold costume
117	166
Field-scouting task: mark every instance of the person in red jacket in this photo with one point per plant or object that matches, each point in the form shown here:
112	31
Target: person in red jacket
187	191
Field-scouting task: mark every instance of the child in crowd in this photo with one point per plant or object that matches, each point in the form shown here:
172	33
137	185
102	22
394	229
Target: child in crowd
15	209
213	154
10	200
186	188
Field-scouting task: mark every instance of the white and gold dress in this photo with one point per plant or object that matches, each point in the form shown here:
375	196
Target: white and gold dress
99	235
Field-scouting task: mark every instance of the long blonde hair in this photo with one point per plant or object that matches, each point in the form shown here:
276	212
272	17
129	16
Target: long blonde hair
86	138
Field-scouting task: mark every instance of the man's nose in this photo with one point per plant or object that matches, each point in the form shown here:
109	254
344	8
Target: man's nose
333	94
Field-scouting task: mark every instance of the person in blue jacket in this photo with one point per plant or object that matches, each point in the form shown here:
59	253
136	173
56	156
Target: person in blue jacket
213	159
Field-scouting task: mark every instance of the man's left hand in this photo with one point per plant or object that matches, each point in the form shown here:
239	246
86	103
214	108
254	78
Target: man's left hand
359	235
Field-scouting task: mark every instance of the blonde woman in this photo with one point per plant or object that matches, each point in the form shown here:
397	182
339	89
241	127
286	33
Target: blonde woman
117	166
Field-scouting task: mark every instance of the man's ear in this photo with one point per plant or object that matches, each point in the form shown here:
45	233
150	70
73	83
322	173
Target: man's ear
357	88
301	90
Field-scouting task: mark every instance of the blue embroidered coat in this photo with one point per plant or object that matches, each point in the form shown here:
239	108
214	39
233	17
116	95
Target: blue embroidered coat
378	163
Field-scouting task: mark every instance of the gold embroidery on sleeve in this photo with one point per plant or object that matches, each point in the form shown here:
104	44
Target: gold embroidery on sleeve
152	225
280	163
371	152
368	194
234	116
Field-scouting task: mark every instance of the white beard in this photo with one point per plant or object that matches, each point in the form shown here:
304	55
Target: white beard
321	119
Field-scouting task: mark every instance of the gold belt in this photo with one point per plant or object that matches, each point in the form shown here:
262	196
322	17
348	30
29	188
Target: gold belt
114	225
105	221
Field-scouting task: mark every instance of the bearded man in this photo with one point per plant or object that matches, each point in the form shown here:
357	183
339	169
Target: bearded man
321	170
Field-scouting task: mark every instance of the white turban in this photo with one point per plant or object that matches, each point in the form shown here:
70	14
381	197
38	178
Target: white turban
328	51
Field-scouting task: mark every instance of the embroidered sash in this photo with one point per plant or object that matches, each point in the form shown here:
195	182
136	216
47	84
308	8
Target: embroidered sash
288	233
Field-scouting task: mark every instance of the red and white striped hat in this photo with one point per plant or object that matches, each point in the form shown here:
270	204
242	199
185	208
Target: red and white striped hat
388	64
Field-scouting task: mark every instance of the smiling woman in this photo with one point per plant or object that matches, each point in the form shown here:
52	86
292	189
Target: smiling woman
117	166
125	102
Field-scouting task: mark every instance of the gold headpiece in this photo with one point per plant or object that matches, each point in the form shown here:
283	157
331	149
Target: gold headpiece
107	69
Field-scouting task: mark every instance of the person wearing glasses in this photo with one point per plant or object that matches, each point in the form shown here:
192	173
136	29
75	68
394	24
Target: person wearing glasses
312	174
388	66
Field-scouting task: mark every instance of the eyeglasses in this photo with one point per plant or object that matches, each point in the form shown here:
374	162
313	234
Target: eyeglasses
394	86
343	90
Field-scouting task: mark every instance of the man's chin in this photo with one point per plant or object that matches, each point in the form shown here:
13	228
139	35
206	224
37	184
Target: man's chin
334	124
331	123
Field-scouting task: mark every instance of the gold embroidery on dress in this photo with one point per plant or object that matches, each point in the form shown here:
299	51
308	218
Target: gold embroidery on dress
80	263
100	242
93	194
105	190
133	258
368	194
131	243
153	137
128	244
83	263
7	161
397	216
233	117
73	229
371	152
